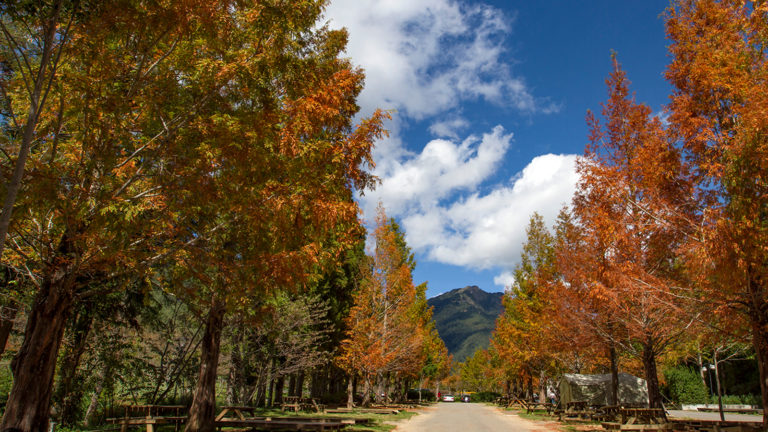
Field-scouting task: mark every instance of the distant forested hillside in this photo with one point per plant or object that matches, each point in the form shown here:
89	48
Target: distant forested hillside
465	318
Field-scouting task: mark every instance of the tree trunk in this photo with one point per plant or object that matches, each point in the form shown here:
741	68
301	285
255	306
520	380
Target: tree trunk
90	412
279	384
68	393
37	99
350	392
614	375
292	385
203	410
299	391
7	317
367	391
29	402
529	387
760	342
542	387
421	384
719	389
651	376
235	384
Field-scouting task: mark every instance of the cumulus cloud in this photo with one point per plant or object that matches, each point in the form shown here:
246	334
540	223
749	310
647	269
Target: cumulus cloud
424	57
445	218
449	128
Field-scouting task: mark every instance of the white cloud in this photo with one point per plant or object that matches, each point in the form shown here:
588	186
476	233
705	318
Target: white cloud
481	231
449	128
440	170
424	57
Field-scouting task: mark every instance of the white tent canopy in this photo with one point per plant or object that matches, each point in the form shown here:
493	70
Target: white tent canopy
596	389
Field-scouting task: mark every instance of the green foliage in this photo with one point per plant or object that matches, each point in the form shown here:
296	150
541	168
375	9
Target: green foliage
747	399
426	395
485	396
684	386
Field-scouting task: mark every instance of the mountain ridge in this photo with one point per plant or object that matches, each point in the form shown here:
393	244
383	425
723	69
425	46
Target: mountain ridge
465	318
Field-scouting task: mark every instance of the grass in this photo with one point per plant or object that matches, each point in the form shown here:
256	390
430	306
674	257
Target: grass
541	416
376	423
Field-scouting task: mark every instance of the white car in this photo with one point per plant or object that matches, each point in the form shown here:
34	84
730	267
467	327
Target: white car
448	398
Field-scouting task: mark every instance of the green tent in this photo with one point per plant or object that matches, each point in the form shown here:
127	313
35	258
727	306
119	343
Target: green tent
596	389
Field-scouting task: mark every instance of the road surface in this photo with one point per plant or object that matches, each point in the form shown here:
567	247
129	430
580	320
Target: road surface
468	417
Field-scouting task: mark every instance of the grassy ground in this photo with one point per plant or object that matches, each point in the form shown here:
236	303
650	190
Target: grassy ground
377	423
542	416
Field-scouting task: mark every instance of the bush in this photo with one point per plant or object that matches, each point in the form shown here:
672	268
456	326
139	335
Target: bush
684	386
484	397
426	395
746	399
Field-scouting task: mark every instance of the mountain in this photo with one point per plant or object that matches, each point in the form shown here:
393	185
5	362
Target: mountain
465	318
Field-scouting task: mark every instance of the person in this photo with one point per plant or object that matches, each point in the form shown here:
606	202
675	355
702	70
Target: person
439	396
551	395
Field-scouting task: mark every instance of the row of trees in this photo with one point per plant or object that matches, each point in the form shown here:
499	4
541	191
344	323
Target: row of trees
392	340
198	158
663	247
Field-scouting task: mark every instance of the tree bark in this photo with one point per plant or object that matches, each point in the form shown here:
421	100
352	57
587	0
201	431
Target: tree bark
235	384
614	375
89	413
367	390
719	388
33	367
68	394
350	392
651	375
203	410
760	343
7	317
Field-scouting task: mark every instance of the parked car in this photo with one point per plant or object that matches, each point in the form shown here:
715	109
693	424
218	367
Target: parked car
448	398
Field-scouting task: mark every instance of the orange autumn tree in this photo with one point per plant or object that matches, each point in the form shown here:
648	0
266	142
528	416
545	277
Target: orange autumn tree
383	337
273	162
624	177
215	135
719	71
89	218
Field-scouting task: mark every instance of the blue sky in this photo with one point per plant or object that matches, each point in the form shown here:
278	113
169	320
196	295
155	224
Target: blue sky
489	99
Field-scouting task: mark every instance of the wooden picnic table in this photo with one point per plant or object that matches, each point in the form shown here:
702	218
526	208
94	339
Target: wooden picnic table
151	415
284	424
310	404
236	410
532	406
292	403
639	419
575	409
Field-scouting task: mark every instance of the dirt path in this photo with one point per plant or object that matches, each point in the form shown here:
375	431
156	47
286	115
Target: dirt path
469	417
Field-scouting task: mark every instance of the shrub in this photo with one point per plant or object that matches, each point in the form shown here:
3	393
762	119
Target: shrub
426	395
484	396
684	386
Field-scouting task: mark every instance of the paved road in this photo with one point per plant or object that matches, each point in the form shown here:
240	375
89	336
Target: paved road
467	417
